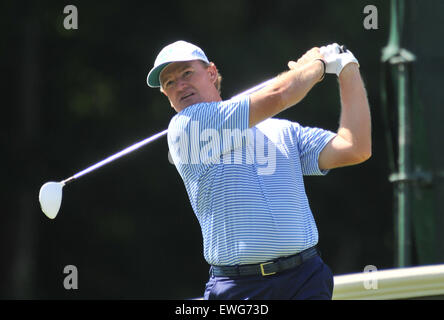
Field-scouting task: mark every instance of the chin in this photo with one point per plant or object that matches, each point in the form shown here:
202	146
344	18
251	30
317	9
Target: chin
185	105
181	107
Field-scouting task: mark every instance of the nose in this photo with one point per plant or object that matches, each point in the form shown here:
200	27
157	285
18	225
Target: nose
181	84
181	87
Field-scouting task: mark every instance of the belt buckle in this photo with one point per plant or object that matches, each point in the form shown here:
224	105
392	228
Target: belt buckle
263	271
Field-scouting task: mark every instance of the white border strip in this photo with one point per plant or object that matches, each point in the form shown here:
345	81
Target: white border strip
401	283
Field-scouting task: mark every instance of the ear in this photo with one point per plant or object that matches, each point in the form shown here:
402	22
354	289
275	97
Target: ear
212	71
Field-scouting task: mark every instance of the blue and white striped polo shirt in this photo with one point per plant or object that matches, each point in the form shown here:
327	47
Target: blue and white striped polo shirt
246	185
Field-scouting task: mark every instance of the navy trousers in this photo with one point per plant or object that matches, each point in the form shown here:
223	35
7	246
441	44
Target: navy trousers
311	280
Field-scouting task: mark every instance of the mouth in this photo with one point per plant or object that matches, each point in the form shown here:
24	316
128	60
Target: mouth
186	96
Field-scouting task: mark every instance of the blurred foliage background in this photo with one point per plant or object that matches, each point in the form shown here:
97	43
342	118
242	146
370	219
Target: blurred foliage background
72	97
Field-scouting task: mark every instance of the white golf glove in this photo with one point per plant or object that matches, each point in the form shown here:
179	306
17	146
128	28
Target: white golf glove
335	60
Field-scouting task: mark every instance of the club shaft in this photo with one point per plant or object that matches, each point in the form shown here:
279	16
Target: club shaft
116	156
254	89
148	140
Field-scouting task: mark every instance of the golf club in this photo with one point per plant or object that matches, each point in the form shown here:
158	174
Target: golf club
50	195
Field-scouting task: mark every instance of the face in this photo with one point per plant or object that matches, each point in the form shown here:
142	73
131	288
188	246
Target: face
189	82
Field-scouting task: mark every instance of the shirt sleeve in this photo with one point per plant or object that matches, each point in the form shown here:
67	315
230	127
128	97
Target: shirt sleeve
310	142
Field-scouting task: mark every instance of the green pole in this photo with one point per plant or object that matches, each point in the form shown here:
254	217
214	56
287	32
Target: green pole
404	169
399	62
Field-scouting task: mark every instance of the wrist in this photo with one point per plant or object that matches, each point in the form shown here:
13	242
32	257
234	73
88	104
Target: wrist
324	68
349	70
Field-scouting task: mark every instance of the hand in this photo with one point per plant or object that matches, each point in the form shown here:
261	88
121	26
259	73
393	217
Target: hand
308	57
336	61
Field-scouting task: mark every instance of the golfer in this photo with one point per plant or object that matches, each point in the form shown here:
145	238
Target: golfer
243	170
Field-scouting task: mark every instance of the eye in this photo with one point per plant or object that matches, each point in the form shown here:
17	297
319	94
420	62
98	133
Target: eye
168	83
187	73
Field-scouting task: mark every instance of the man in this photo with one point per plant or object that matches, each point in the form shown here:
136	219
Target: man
258	230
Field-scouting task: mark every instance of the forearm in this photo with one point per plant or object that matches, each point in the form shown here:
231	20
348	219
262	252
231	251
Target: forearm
355	122
295	84
288	89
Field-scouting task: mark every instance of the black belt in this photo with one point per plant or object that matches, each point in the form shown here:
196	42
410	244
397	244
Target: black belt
266	268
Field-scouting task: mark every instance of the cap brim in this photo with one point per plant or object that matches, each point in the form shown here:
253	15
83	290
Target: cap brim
153	76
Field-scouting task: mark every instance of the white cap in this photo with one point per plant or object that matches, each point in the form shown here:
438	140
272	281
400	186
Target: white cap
175	52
